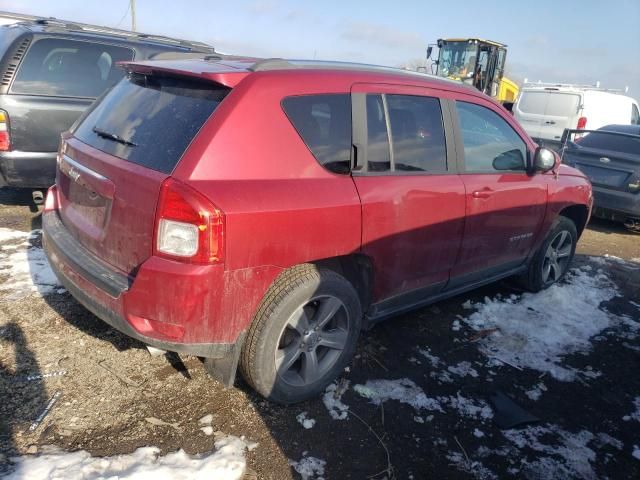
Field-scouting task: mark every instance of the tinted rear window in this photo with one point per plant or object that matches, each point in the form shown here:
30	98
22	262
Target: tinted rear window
552	104
69	68
324	123
613	143
158	115
417	133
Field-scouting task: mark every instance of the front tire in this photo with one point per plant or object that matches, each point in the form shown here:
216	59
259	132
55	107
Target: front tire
303	335
551	262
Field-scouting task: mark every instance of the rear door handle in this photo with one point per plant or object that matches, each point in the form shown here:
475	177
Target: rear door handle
550	122
484	193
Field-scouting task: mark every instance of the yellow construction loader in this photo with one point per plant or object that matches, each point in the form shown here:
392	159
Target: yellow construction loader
476	62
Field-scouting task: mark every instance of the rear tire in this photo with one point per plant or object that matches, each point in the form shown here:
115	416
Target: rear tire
552	260
303	334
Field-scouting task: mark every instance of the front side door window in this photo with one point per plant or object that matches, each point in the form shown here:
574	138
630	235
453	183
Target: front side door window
490	144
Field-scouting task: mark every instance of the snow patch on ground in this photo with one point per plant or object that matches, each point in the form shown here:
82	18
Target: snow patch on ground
25	267
426	353
463	369
332	399
636	452
568	457
226	463
537	330
309	468
468	407
304	421
535	392
402	390
475	468
606	439
406	391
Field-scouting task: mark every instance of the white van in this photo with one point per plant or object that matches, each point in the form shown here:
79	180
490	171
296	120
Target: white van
545	110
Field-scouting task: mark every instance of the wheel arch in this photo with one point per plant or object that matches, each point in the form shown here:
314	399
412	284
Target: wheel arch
357	269
578	214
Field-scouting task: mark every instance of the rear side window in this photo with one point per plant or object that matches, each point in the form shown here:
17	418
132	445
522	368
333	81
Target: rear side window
490	144
69	68
612	143
150	120
635	115
324	123
378	149
417	133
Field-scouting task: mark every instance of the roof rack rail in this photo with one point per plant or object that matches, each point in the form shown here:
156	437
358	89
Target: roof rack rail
577	86
291	64
85	27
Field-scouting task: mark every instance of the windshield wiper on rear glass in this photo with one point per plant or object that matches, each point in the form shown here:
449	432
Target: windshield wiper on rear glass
114	137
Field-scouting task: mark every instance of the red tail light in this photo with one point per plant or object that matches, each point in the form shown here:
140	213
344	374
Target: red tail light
51	201
5	137
582	123
189	228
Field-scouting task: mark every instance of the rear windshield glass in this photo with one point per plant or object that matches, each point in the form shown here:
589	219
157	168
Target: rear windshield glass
69	68
613	143
552	104
150	120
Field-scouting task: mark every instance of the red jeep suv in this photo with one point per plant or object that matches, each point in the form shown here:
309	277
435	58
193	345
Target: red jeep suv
261	213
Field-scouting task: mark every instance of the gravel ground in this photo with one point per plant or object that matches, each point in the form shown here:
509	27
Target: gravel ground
416	392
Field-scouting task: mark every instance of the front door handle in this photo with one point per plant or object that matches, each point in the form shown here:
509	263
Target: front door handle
484	193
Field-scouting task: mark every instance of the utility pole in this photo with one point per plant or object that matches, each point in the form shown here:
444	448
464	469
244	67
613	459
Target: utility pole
133	15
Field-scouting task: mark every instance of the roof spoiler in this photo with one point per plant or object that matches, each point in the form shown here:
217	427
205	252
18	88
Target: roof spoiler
227	76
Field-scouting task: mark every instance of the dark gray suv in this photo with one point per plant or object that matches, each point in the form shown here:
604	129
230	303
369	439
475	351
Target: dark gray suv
50	72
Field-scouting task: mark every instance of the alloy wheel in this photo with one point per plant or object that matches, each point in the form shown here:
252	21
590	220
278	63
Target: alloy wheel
312	340
556	258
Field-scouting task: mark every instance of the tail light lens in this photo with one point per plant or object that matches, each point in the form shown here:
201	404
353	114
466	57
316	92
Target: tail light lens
189	228
582	123
51	200
5	137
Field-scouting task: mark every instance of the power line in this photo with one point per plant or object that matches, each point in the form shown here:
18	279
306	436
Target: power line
123	16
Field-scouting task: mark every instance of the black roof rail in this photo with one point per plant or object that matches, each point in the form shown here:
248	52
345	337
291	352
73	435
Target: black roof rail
291	64
272	64
53	22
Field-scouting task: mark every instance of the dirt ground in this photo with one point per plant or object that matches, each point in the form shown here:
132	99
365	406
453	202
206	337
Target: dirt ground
112	384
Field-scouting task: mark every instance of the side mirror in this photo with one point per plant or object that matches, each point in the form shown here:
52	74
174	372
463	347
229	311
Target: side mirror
429	51
543	160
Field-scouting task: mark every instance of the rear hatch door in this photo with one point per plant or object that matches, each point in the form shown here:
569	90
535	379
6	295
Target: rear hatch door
609	160
112	167
546	113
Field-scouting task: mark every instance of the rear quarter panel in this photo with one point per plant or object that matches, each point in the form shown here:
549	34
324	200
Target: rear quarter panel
281	207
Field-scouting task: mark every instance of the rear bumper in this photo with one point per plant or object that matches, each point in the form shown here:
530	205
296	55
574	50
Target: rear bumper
28	169
616	205
110	295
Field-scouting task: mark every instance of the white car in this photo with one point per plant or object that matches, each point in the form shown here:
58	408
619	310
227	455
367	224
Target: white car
545	110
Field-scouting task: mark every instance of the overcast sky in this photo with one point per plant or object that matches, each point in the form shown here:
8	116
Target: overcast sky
550	40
